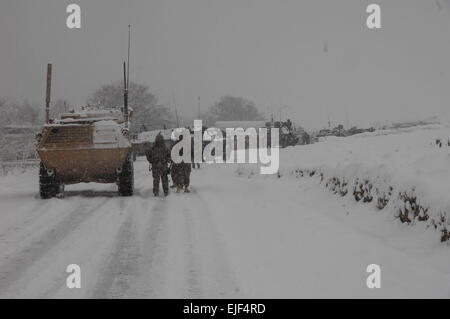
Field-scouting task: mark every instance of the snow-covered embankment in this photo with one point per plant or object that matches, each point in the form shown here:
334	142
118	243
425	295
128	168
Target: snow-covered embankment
406	172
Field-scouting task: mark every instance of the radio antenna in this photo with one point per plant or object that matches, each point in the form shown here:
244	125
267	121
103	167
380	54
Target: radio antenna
126	82
125	96
129	45
48	93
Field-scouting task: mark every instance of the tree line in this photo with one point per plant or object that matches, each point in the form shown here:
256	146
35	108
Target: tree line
148	113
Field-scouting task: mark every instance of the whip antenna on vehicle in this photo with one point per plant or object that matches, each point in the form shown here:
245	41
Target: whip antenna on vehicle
125	95
126	81
129	45
48	93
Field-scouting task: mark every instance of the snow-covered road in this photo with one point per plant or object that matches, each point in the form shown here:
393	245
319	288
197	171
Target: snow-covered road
233	236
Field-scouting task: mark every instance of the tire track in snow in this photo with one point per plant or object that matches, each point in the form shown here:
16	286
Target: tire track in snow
217	270
33	214
23	211
154	252
193	286
130	269
208	273
116	277
33	253
84	237
17	265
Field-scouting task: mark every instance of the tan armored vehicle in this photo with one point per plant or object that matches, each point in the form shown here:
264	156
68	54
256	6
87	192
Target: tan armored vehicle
92	145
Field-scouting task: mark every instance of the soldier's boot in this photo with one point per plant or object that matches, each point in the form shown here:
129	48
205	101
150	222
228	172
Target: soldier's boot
155	189
186	189
155	183
179	188
166	189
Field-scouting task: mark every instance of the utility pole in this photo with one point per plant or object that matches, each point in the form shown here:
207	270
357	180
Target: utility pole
347	123
281	108
176	110
271	111
199	109
280	116
176	115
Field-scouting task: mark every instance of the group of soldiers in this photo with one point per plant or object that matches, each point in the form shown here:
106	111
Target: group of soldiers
161	165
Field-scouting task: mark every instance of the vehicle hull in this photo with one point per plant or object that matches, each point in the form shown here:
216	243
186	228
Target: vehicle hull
72	166
75	155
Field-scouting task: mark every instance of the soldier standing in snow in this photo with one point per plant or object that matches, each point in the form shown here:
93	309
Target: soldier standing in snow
186	169
192	156
180	173
159	158
176	172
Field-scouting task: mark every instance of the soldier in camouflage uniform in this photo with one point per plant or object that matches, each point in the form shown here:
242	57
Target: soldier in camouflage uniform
159	158
173	175
186	180
180	173
176	172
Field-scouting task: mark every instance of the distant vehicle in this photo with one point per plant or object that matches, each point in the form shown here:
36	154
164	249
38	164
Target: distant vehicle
92	145
287	134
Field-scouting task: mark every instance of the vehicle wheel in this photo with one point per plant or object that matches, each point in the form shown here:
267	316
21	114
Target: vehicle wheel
126	177
48	187
59	190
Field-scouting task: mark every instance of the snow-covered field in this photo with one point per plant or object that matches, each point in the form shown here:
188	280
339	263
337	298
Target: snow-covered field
403	170
237	234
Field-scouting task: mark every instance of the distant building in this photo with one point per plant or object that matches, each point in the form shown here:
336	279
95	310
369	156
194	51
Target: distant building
240	124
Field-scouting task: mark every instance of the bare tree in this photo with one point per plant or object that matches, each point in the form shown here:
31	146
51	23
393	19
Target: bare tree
231	108
16	113
148	114
28	114
60	106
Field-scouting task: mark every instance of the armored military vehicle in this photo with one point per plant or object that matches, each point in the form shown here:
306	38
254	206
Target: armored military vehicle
92	145
287	134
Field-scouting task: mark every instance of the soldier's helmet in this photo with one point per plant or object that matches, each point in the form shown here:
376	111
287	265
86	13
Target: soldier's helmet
159	139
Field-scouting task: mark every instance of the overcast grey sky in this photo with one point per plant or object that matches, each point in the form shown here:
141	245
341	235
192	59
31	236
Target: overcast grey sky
316	56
